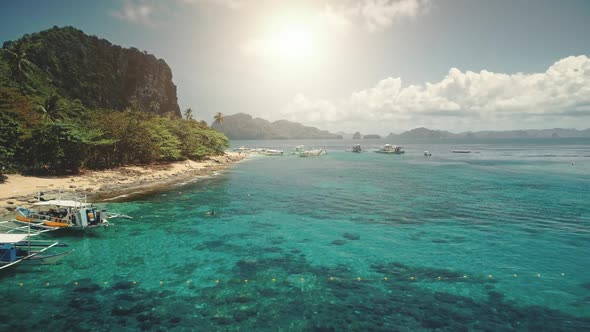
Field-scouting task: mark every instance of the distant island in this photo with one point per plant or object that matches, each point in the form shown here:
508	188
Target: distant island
422	133
243	126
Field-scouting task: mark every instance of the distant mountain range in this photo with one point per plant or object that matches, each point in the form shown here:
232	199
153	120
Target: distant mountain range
529	133
242	126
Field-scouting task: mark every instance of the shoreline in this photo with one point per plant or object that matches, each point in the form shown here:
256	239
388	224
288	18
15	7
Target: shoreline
118	184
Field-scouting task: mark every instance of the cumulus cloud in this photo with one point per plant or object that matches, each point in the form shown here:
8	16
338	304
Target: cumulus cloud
135	12
461	99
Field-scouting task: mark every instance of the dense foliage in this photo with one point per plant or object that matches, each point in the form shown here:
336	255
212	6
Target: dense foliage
71	101
40	136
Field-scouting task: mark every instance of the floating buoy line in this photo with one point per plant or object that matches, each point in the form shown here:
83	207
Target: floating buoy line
301	280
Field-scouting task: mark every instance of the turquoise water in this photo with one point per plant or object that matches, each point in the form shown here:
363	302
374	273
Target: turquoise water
495	240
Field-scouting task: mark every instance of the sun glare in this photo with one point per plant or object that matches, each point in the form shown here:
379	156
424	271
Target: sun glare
288	40
293	42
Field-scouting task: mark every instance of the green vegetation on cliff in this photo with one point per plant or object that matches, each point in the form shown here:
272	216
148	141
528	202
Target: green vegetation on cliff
68	100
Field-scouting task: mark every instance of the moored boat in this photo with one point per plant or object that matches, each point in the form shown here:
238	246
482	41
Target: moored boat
313	153
19	248
272	152
391	149
357	148
62	214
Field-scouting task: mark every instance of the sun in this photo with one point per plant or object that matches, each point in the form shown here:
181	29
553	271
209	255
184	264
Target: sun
287	41
293	41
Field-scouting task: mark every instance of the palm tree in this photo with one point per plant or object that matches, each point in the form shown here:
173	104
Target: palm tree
218	118
18	61
154	106
50	108
188	114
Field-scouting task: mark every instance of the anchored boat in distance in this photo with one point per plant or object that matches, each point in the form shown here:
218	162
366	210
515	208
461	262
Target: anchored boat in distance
391	149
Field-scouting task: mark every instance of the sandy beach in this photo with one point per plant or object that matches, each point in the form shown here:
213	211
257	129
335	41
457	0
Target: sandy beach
121	182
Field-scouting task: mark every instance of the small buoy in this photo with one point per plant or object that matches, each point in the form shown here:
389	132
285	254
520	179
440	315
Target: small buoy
464	277
46	284
331	278
562	274
133	282
21	284
358	279
161	283
515	275
538	275
104	282
411	278
188	282
385	278
217	281
246	281
76	283
273	279
490	276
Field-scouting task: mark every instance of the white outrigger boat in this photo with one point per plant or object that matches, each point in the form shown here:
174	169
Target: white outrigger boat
312	153
62	214
19	248
391	149
272	152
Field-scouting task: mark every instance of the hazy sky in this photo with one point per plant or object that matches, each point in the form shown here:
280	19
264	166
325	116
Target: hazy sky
375	66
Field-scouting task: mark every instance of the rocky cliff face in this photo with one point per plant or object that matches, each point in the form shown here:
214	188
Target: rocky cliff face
97	73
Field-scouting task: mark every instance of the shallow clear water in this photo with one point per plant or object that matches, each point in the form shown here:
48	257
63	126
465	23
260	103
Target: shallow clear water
498	239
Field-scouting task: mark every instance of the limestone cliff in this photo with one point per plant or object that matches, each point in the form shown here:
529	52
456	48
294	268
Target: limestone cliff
76	66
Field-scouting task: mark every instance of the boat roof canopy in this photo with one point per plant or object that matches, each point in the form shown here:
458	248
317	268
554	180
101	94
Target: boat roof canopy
63	203
12	238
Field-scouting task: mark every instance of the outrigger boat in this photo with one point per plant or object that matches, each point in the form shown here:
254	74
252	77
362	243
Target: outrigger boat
18	248
62	214
313	153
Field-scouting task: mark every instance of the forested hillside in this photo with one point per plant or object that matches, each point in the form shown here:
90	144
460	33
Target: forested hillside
69	100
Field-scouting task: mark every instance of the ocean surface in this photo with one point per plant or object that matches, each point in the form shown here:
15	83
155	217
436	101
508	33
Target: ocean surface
494	240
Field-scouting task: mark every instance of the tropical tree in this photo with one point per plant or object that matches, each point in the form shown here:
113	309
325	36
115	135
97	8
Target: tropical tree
50	108
188	114
218	118
57	147
154	106
18	61
9	133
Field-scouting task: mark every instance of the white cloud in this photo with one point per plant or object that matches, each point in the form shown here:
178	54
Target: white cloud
232	4
374	14
139	12
465	100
